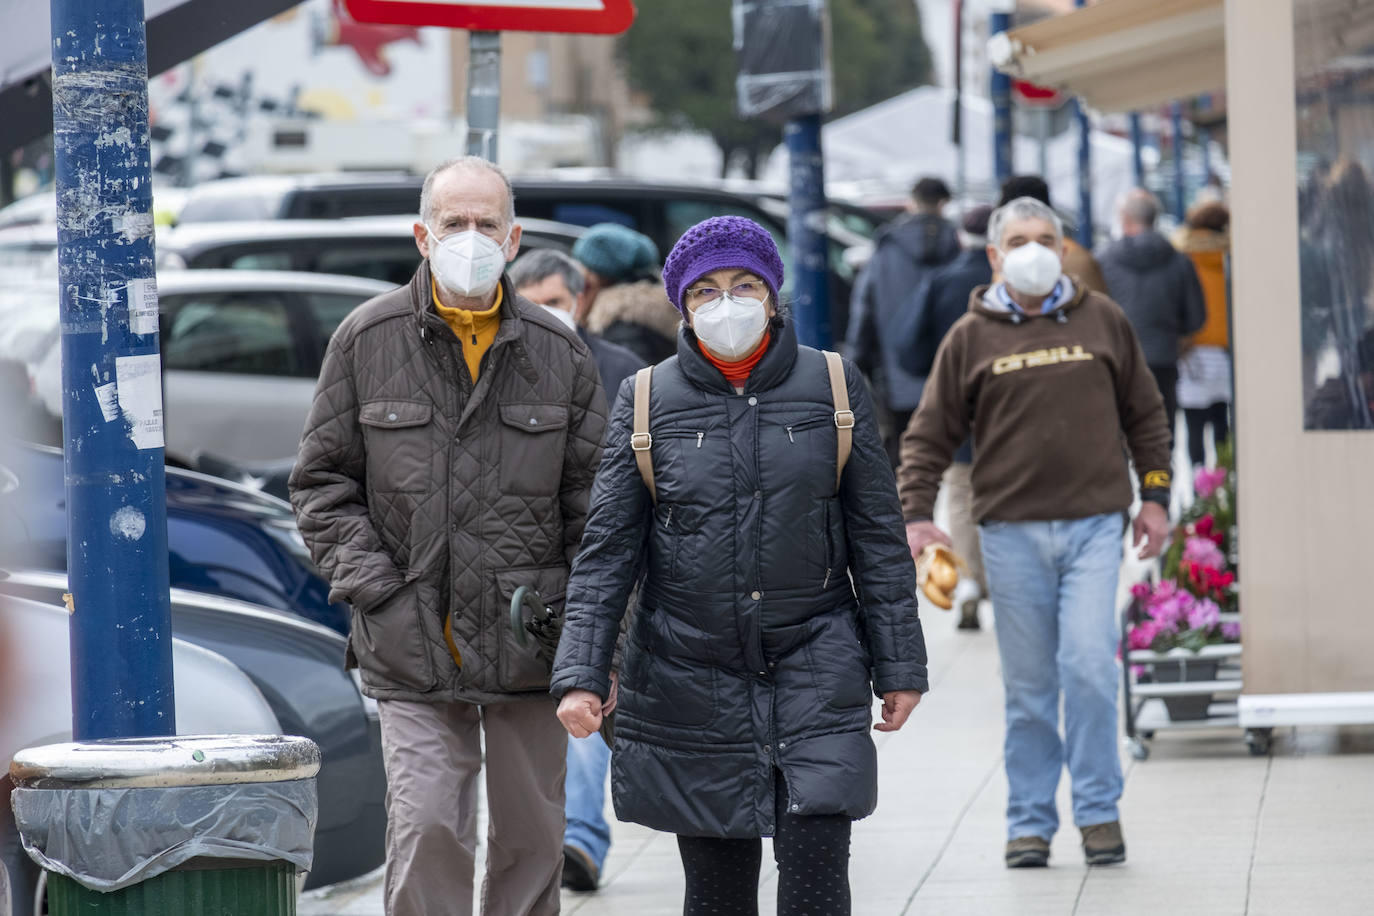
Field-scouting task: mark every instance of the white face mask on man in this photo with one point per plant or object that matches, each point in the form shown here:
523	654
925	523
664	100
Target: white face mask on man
730	326
467	263
1032	269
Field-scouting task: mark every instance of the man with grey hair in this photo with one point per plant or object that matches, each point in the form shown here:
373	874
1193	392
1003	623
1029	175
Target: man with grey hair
1157	286
1048	378
447	461
554	280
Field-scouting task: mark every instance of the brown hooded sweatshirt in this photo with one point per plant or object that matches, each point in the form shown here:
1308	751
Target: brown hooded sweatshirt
1048	399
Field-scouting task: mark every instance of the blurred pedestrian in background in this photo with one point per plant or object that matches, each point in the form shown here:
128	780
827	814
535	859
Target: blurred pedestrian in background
906	251
555	281
624	300
1049	378
1078	261
1157	287
777	593
941	301
1204	365
447	460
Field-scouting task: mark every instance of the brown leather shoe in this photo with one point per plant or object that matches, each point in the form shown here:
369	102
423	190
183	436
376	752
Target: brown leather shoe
1103	844
579	871
1028	852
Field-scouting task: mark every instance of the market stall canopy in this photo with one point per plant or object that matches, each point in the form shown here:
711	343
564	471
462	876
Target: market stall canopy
1122	55
177	30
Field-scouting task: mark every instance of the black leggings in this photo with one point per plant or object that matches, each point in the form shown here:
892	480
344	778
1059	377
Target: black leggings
1197	418
812	852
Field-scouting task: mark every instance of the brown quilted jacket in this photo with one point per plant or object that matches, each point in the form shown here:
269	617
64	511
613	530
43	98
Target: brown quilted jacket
423	497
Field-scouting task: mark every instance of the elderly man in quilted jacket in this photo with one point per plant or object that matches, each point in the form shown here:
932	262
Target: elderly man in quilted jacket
446	462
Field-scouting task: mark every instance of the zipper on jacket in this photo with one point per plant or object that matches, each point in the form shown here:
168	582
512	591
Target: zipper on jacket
829	549
789	435
668	519
700	436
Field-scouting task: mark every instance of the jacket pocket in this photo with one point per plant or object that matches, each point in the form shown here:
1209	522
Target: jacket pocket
839	665
400	445
658	687
533	438
389	644
668	529
525	667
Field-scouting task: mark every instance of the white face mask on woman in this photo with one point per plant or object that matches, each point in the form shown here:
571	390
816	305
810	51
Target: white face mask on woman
467	263
1031	269
729	326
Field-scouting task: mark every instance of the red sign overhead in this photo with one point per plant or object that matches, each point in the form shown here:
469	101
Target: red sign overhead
1036	96
602	17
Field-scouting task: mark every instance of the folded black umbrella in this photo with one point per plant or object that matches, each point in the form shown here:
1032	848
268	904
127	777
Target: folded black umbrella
545	627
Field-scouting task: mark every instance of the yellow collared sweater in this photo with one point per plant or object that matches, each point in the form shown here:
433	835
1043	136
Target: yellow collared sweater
475	330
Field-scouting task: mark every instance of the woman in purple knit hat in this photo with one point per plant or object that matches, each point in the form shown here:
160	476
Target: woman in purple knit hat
776	592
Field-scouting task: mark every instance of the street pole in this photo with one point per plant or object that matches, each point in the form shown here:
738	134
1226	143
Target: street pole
806	230
1137	146
1176	124
484	93
1085	169
1001	109
121	646
956	131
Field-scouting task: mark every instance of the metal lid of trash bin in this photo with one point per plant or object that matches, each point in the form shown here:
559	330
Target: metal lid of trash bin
194	760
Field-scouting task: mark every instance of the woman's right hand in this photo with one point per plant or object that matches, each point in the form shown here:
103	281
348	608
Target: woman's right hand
580	712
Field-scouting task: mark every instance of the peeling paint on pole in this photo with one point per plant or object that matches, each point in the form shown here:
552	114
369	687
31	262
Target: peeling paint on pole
115	481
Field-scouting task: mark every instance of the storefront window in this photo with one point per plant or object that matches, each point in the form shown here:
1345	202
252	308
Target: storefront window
1335	130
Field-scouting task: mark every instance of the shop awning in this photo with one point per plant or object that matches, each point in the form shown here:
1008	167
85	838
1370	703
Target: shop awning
1122	55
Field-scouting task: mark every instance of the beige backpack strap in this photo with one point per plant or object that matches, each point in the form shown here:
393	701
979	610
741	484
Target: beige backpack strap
641	441
844	417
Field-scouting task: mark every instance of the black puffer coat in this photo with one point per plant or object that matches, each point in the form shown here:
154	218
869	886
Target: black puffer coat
749	650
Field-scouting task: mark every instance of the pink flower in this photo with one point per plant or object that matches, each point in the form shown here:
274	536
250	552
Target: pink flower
1204	553
1143	634
1230	631
1204	615
1140	591
1169	613
1207	482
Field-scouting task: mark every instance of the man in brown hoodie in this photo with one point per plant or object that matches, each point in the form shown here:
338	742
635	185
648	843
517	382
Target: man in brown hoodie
1048	377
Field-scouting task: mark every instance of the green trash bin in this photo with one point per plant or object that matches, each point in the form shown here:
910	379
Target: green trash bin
187	826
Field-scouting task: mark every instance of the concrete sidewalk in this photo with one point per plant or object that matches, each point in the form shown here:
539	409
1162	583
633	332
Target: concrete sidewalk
1210	829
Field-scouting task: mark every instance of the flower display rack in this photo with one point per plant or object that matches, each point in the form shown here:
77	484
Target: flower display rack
1184	689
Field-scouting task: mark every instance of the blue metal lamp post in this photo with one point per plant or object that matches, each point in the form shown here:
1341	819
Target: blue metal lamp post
111	374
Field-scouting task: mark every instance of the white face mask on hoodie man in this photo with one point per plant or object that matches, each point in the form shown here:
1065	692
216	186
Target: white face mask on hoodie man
1031	269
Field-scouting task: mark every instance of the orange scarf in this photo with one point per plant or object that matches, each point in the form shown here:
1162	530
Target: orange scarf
737	373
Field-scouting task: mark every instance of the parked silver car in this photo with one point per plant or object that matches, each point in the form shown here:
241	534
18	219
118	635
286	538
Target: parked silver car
299	668
241	350
212	697
378	247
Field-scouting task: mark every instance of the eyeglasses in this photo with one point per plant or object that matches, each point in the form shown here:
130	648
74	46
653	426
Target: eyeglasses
750	289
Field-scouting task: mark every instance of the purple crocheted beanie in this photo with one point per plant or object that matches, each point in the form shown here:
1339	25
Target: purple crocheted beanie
721	241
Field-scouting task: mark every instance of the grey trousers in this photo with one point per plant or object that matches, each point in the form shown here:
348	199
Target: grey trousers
963	529
433	755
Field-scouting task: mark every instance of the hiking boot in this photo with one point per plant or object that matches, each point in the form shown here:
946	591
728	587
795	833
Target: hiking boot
968	614
1028	852
579	871
1103	844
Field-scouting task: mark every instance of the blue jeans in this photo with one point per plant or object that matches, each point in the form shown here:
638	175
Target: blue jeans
1053	590
588	761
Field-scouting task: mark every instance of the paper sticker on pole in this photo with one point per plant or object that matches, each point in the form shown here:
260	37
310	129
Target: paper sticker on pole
602	17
